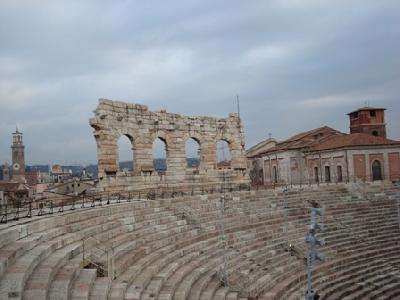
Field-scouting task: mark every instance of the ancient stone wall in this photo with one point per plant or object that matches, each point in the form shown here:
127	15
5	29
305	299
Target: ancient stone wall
114	119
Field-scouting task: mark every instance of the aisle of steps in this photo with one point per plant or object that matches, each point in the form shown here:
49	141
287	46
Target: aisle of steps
81	288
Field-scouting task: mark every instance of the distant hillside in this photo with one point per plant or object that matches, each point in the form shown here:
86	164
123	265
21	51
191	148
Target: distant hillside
40	168
160	164
76	170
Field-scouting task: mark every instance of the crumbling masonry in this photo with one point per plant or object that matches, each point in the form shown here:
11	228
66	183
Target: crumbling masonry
114	118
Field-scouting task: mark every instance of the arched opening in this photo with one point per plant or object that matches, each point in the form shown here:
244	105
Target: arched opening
160	155
275	174
327	174
125	154
376	170
316	175
339	173
375	133
223	154
192	149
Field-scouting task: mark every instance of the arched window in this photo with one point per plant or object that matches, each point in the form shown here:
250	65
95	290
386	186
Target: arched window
192	149
223	154
275	174
327	174
160	155
339	173
376	170
125	154
316	175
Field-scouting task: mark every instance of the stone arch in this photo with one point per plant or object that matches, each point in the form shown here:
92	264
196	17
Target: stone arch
115	118
125	156
161	135
223	153
160	154
193	151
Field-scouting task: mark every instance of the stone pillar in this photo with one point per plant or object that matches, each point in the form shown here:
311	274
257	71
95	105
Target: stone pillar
386	168
368	174
107	152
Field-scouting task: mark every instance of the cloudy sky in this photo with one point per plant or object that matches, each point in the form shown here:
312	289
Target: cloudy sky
296	65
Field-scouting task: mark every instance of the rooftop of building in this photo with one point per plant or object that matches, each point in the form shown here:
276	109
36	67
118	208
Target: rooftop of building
353	140
306	139
12	186
366	108
261	147
327	138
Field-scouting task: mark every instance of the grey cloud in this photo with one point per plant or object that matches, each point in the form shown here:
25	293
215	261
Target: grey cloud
295	64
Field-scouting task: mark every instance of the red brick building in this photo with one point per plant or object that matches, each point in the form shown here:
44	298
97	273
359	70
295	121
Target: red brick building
327	155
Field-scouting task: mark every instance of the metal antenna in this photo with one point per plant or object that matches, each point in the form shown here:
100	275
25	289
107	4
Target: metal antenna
238	105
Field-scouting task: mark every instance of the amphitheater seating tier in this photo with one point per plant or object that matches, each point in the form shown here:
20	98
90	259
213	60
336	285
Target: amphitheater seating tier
186	247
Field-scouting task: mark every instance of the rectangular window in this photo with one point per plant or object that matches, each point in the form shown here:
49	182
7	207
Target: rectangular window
372	113
327	174
339	174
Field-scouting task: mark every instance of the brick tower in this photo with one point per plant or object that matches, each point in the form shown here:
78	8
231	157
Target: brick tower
368	120
18	158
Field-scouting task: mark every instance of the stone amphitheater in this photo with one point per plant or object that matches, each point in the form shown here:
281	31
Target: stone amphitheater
198	234
174	248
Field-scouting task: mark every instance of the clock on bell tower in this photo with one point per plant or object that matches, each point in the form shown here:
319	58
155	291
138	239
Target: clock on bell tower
18	157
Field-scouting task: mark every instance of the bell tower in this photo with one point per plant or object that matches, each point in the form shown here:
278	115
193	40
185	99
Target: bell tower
368	120
18	157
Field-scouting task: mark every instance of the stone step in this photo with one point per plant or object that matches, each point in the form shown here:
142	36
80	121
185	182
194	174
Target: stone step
38	284
61	285
100	289
83	284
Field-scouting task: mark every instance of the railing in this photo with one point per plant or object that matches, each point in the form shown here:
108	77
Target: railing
90	246
189	214
57	203
334	180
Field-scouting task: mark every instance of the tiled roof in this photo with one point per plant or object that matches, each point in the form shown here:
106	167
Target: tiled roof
351	140
261	147
366	108
12	186
305	139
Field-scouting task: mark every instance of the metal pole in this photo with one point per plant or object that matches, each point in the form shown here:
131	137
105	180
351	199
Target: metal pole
238	106
309	295
285	207
83	252
223	238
